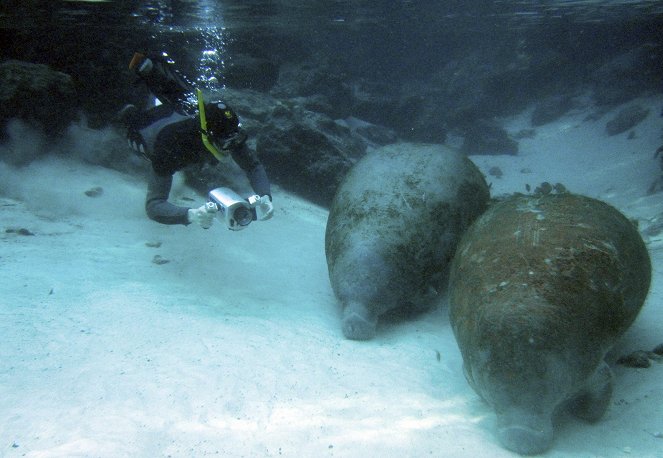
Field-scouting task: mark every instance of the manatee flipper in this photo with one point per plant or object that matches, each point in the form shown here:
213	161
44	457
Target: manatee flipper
592	402
358	322
524	433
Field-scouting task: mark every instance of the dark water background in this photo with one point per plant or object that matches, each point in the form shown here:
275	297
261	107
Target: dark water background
312	14
386	41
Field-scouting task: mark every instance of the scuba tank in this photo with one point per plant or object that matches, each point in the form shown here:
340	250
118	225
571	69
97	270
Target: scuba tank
183	101
164	81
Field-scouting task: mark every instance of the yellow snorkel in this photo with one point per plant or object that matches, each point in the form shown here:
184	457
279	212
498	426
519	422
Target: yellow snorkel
203	128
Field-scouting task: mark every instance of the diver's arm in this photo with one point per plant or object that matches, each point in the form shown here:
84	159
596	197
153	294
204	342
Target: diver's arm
156	203
259	181
254	170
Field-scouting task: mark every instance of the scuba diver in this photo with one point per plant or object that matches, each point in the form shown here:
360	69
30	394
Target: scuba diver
184	130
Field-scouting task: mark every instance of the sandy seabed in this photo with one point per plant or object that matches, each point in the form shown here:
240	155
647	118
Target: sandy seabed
233	346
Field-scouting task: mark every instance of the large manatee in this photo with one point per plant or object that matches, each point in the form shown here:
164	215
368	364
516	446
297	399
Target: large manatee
540	289
393	228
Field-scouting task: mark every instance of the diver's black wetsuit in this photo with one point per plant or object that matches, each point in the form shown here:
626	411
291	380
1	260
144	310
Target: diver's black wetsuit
169	136
176	144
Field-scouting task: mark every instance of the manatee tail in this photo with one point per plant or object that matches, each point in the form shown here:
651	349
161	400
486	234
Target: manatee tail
358	322
525	434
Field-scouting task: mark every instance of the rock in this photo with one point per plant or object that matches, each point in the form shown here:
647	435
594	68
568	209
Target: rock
38	95
495	172
626	119
373	134
97	191
158	260
316	78
487	137
658	349
543	189
635	359
524	133
550	109
307	152
380	104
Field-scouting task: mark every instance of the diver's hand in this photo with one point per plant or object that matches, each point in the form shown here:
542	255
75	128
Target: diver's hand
264	208
137	142
203	215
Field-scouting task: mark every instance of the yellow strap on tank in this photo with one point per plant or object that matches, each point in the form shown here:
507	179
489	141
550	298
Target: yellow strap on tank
203	128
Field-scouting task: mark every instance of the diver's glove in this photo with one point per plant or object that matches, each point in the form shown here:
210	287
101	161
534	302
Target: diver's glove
203	215
137	143
264	208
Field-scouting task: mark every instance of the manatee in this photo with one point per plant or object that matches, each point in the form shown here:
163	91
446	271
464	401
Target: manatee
539	290
393	227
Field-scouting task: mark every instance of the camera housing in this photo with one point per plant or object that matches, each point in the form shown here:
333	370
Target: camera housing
235	212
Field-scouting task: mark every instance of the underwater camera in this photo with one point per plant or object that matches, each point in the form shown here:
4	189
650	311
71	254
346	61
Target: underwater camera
235	212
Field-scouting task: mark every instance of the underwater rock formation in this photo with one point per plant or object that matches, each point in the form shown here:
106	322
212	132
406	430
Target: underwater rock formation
38	95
